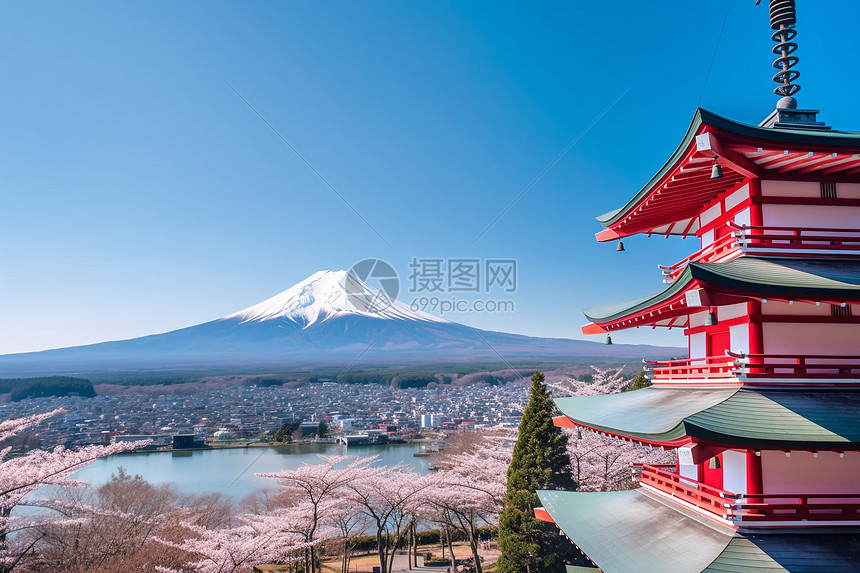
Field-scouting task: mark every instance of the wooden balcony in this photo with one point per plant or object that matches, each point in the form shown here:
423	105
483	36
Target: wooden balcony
720	249
805	241
711	368
785	366
753	510
772	241
757	369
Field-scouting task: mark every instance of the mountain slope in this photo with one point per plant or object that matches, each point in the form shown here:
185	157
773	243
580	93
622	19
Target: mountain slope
329	319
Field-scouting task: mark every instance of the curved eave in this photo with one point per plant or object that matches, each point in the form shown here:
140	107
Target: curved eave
764	419
809	278
745	151
620	528
743	277
661	307
608	219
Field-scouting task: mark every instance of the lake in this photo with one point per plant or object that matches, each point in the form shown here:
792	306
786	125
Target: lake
233	471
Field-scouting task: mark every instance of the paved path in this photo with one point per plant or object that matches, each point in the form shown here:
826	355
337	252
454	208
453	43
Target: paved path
401	565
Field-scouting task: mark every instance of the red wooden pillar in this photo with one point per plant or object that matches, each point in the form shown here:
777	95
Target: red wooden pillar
756	217
756	336
754	480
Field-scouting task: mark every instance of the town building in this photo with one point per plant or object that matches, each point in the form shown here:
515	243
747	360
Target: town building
765	411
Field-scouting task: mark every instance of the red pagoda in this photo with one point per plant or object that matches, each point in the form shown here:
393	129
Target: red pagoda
765	412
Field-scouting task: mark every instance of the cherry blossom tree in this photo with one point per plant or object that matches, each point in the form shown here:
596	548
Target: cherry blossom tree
600	462
603	463
471	486
315	485
349	523
604	381
119	523
389	497
24	474
274	537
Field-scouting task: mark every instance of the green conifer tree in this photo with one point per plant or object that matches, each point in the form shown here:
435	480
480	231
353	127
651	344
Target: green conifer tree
540	461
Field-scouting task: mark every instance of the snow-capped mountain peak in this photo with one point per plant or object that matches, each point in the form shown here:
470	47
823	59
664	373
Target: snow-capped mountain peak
328	294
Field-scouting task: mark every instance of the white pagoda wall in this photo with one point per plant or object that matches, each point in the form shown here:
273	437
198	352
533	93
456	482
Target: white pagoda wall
803	473
802	339
807	189
827	216
735	471
797	309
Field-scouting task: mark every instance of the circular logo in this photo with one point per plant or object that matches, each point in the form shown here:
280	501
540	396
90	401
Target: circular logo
371	285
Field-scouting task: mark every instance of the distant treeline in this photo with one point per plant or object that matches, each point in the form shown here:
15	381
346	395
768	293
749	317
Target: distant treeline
22	388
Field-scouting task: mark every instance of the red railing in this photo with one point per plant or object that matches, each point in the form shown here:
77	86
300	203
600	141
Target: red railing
804	239
790	366
809	507
716	250
750	508
784	241
712	499
740	366
693	368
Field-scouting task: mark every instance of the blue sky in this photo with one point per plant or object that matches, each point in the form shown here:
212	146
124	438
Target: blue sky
139	194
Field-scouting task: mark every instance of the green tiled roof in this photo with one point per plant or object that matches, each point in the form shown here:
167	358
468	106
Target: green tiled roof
650	413
630	530
802	552
624	531
814	419
776	418
758	276
784	276
798	137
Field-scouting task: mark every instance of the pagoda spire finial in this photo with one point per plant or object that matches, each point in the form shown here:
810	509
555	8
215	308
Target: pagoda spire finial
783	18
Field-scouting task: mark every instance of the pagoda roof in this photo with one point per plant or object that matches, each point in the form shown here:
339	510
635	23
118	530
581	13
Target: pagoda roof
671	200
622	528
823	280
778	419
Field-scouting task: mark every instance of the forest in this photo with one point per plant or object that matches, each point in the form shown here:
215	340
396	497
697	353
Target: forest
22	388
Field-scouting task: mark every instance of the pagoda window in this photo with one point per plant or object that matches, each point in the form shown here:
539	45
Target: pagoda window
839	310
828	190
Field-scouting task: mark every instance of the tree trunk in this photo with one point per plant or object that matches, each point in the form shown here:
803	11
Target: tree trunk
450	548
344	564
381	548
415	546
392	551
473	543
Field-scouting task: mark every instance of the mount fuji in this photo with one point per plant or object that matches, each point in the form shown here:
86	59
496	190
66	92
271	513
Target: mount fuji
332	318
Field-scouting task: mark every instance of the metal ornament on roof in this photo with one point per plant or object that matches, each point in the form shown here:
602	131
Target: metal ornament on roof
783	18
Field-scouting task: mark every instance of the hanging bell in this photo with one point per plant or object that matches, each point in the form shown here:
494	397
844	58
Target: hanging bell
711	319
620	247
608	339
716	170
